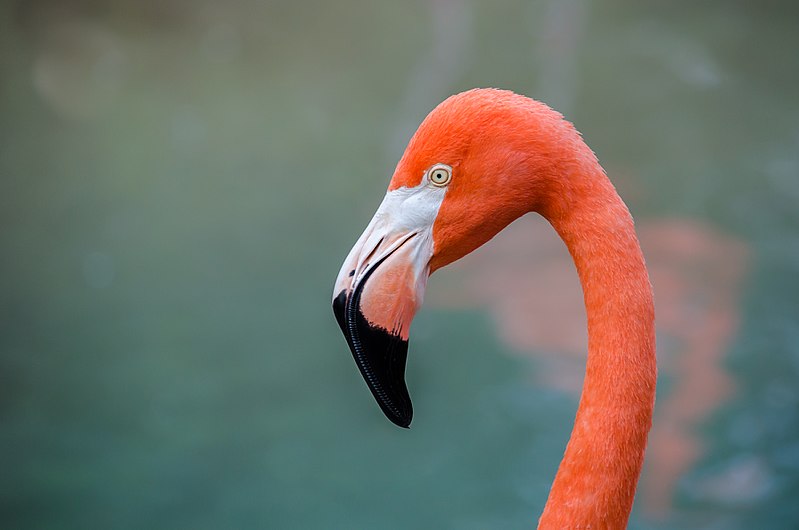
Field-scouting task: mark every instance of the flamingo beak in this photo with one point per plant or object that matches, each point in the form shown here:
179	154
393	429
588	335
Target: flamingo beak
378	291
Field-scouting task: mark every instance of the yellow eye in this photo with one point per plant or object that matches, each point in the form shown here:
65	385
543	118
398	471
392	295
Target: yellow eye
440	175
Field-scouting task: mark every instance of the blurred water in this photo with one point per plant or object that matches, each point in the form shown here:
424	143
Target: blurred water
179	183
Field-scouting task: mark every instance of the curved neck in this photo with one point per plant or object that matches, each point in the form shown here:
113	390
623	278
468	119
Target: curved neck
596	480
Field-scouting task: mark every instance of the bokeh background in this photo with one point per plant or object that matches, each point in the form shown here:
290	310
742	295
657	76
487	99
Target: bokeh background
180	181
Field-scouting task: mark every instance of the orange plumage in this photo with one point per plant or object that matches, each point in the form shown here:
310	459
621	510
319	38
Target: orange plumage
510	155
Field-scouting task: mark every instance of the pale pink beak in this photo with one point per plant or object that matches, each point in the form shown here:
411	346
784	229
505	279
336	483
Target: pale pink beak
378	291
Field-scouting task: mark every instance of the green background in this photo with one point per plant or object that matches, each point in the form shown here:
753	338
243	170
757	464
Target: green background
181	180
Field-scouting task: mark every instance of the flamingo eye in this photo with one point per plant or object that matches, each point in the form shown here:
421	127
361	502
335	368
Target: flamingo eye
440	175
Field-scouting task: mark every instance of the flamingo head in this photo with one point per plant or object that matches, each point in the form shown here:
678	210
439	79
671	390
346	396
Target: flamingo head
479	160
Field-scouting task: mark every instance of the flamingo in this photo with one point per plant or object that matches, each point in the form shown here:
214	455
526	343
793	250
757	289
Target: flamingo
478	161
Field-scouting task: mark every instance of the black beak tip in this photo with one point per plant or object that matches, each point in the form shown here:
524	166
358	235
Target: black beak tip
403	421
396	405
380	356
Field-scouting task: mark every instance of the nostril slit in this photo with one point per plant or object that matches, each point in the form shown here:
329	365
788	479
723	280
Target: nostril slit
372	253
369	256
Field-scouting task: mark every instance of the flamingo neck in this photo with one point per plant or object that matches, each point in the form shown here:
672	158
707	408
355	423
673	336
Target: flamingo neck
597	478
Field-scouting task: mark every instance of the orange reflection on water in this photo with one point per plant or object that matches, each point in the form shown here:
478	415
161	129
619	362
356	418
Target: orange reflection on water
527	280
